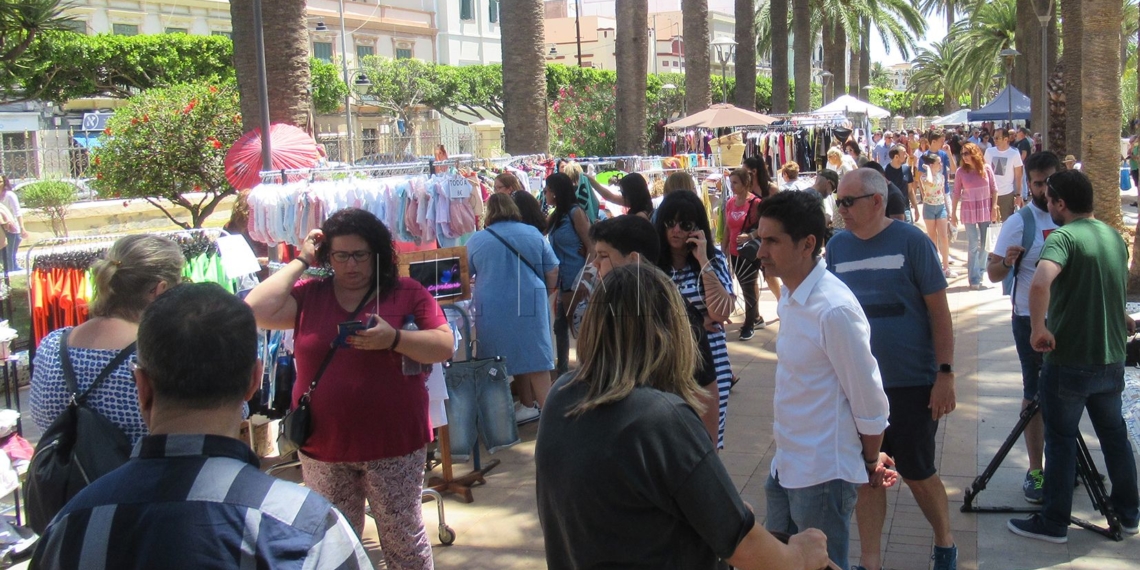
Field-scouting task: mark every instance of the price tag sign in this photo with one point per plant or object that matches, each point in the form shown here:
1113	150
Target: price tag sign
458	187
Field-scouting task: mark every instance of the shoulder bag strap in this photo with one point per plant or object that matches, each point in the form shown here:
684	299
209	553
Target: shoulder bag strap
1028	236
332	349
520	256
69	370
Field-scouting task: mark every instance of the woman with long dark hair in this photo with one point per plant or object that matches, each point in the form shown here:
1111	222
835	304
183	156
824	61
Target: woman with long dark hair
762	184
634	194
975	191
700	272
530	211
569	233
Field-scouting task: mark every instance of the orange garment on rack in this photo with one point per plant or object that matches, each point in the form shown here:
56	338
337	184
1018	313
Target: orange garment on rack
39	284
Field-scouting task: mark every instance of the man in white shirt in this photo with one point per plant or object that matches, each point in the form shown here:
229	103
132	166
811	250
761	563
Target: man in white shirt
830	408
1010	255
1006	163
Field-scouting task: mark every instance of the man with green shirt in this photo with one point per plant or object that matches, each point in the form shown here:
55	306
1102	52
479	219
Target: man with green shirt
1080	283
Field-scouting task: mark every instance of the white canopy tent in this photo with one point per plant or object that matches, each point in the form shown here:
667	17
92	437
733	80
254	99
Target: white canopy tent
959	117
849	104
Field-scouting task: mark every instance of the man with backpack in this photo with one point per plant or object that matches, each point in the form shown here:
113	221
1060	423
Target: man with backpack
1014	262
193	495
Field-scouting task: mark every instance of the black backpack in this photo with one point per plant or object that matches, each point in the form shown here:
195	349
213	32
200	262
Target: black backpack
77	448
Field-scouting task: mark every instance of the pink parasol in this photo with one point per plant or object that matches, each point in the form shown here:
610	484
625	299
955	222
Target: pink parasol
291	148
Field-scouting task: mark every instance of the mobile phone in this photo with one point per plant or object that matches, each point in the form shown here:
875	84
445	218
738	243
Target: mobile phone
347	329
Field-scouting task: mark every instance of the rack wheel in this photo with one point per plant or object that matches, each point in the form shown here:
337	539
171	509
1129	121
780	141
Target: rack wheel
446	535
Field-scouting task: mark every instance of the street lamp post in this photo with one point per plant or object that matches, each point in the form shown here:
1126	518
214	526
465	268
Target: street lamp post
1009	54
262	86
824	77
725	48
668	87
321	27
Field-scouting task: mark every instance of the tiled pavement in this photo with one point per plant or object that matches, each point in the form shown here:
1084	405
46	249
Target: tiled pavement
500	530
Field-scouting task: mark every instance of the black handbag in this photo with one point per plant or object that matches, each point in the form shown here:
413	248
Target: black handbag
80	446
297	425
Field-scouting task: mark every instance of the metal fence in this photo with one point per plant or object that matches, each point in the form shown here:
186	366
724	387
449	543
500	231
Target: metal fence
375	147
45	154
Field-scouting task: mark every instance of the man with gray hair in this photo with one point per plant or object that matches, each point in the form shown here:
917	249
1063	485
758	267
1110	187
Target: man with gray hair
895	272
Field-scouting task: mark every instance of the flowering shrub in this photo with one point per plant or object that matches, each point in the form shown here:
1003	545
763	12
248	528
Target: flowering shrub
582	120
167	143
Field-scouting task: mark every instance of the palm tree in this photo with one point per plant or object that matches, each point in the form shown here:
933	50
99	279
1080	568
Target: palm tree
1100	102
695	27
934	73
524	77
286	62
980	38
802	40
631	135
778	54
897	21
1072	33
948	7
745	65
21	21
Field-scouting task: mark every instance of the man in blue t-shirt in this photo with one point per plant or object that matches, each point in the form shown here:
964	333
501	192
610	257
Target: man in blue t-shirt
895	272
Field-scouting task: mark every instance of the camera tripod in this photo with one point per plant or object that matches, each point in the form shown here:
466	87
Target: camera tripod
1086	472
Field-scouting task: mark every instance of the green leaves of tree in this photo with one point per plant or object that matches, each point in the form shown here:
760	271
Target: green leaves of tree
168	145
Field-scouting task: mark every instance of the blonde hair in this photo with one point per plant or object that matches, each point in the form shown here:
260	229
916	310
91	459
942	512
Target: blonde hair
680	181
132	268
636	333
509	181
500	208
834	152
573	170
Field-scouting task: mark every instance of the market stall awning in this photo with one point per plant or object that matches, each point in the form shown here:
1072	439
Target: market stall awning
849	104
959	117
723	115
1002	107
88	140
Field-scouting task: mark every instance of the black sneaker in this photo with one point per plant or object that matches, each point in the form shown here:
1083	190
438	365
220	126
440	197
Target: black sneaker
1034	527
747	334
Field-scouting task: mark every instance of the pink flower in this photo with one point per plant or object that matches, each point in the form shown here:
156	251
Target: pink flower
603	135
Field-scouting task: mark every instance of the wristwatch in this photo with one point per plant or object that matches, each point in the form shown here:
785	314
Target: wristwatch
945	368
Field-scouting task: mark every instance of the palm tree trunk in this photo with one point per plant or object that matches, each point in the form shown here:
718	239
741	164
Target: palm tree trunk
1138	68
1073	30
1025	41
745	91
779	57
698	61
951	9
802	41
853	85
524	77
632	70
1100	100
839	60
286	61
865	56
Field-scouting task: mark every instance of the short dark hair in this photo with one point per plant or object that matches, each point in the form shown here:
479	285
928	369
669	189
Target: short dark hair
801	214
875	166
852	145
935	134
895	151
627	234
198	345
1074	187
1042	161
366	226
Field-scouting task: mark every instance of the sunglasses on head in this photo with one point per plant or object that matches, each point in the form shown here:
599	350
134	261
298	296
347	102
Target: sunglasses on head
850	200
685	226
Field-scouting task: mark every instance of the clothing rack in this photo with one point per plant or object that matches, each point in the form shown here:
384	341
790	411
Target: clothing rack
296	174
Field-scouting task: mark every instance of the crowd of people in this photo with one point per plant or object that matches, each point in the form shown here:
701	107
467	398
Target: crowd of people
627	465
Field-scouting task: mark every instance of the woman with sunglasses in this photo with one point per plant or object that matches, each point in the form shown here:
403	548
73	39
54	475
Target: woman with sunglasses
569	234
701	274
370	425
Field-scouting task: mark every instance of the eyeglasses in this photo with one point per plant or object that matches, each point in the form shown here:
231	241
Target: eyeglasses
850	200
357	256
685	226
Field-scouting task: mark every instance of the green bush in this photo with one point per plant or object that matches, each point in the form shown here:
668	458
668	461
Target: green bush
169	143
51	199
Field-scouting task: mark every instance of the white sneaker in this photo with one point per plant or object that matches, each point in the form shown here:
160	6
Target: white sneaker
525	415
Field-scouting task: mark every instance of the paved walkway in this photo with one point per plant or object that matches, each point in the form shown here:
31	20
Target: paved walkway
500	529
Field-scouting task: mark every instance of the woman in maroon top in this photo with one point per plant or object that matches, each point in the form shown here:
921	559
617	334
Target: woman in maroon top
370	421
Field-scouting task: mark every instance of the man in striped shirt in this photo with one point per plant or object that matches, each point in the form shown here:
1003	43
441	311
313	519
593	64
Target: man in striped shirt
192	495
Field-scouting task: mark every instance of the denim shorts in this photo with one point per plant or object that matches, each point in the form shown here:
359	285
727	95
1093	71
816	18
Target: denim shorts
826	506
1030	359
479	405
934	212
